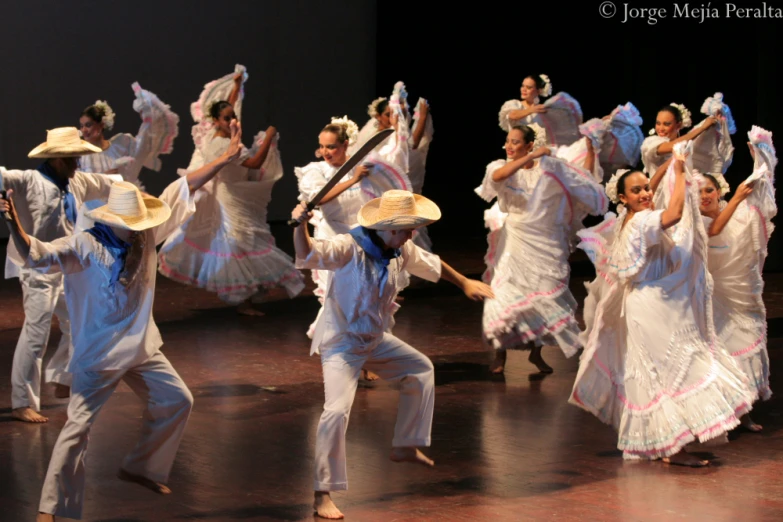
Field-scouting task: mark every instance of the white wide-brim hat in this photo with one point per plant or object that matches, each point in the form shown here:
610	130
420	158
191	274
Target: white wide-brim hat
398	210
128	209
63	142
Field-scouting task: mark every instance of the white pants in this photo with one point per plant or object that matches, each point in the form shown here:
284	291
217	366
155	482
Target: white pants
168	405
392	360
43	297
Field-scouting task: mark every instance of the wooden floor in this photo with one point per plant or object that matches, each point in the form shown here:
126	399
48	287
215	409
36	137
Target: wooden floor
505	450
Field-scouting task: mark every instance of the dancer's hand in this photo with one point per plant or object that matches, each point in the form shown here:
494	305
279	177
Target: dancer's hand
7	205
362	171
742	192
542	151
477	291
541	108
300	213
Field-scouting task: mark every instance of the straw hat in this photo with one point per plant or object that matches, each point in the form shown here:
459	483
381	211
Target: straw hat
63	142
128	209
398	210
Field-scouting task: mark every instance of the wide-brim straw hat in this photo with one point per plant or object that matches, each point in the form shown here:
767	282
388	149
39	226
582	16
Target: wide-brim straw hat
63	142
398	210
129	209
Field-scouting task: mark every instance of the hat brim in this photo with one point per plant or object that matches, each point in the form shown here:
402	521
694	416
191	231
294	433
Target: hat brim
54	151
425	213
157	212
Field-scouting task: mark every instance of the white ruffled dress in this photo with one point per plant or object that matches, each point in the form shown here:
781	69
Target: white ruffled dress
527	259
227	246
652	365
736	260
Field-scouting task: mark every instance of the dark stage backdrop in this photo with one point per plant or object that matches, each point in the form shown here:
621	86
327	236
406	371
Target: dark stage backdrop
468	62
307	61
310	60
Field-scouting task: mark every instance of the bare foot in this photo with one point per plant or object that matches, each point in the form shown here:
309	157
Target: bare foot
498	365
686	459
246	308
324	507
749	425
44	517
27	414
535	358
61	391
367	375
157	487
410	455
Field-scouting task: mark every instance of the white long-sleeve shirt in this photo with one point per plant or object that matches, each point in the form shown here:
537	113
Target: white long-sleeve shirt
111	325
40	204
357	308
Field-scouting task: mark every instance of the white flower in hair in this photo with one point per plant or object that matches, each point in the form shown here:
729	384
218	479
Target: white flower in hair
351	129
372	109
541	139
108	115
652	132
611	186
547	89
723	185
685	113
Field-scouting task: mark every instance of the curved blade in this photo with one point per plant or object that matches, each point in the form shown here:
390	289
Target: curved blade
358	156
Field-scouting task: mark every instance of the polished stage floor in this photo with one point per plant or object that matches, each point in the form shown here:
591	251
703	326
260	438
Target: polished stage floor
506	449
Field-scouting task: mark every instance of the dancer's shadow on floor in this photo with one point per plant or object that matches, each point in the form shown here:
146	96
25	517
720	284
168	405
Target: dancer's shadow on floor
453	372
293	512
234	390
120	520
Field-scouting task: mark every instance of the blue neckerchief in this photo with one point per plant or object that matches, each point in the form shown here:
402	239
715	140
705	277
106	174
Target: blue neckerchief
69	202
380	257
118	248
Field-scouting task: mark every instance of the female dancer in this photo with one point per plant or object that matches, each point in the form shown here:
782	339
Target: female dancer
570	140
657	148
652	366
739	232
544	198
126	154
560	115
227	246
406	149
385	114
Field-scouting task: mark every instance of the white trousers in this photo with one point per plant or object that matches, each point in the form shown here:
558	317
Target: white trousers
393	360
168	404
43	297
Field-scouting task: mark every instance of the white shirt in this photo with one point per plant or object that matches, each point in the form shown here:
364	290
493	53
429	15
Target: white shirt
40	204
111	325
357	310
